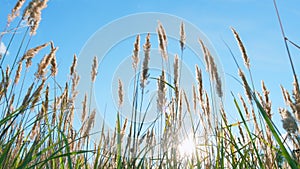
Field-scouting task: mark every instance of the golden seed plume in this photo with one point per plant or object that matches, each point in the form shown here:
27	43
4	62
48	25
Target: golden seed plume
145	73
211	67
242	48
135	56
15	11
182	36
18	73
53	66
176	76
90	123
74	64
32	14
31	53
245	107
120	92
200	83
288	121
94	68
37	94
245	84
161	98
195	98
162	39
84	108
46	61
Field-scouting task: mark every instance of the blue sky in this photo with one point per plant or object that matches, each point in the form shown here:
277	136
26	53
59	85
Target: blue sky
71	23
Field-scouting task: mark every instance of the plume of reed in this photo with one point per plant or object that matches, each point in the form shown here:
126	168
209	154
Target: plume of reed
94	69
211	67
245	84
162	38
84	108
242	48
161	92
200	83
73	66
194	98
32	14
53	66
90	123
145	70
135	56
75	81
245	107
18	73
288	121
45	104
46	61
182	36
15	12
120	93
31	53
176	75
37	94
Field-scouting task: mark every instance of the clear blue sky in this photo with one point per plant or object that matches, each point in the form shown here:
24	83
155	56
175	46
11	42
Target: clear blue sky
70	24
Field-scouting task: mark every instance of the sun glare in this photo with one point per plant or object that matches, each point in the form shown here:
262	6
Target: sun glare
187	147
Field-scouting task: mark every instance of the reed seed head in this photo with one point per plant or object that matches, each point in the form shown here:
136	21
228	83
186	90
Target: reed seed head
18	73
182	36
288	121
94	68
145	70
135	56
74	64
242	48
120	92
245	84
15	11
161	100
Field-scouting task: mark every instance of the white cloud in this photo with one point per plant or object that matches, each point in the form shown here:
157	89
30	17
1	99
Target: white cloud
2	48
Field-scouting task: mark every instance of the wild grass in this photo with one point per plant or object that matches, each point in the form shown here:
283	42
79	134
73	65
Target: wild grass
37	112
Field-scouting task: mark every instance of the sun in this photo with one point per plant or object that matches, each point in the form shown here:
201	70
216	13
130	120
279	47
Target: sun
187	147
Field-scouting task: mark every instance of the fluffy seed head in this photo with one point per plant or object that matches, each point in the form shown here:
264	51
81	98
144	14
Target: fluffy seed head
94	69
135	56
74	64
145	73
18	73
242	48
15	11
182	36
120	92
288	121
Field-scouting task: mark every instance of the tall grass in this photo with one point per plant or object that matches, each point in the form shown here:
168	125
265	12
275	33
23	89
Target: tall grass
37	112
